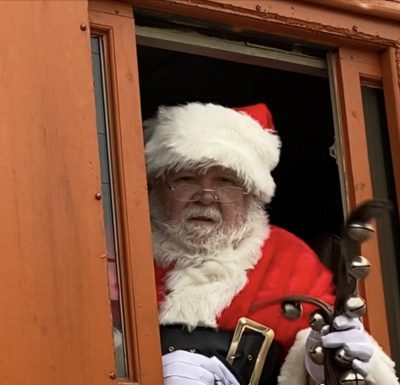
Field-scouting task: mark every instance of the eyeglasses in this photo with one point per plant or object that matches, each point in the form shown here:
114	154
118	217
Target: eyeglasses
192	192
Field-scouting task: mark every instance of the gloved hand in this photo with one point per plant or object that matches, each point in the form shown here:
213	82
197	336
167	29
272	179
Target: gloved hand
349	333
186	368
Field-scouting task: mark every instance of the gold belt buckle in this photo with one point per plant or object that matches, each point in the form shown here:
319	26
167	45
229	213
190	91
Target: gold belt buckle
243	324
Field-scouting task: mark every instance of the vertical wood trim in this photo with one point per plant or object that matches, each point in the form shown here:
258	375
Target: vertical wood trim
352	66
115	23
53	268
390	62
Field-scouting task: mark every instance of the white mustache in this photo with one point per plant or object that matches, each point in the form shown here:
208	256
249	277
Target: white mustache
204	212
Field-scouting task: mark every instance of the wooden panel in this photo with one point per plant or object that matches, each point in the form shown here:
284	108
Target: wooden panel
389	9
115	23
298	19
53	267
352	66
390	62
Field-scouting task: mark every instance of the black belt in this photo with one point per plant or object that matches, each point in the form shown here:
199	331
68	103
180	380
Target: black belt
211	342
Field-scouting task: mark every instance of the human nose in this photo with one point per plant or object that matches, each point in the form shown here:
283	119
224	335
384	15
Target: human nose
206	196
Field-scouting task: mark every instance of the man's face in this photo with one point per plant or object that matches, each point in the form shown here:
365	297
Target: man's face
203	201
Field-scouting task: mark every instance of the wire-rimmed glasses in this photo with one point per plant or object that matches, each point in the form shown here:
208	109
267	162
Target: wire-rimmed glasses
192	192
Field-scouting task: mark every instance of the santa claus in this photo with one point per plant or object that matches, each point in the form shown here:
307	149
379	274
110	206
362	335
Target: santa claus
217	257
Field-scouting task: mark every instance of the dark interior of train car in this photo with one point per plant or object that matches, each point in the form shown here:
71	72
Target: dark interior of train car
308	197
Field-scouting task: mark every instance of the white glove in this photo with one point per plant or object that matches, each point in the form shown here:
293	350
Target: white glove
186	368
349	333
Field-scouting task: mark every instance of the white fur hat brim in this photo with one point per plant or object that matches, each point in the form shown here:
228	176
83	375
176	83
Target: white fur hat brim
197	134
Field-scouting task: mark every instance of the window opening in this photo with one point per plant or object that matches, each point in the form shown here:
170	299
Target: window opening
240	51
383	187
308	199
103	136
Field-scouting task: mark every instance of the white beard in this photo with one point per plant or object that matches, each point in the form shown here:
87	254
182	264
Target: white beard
207	274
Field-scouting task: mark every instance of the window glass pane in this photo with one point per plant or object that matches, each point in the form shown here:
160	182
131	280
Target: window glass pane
108	208
383	187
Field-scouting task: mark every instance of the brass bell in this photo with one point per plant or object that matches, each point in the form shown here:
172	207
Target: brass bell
342	358
316	353
355	307
360	267
352	378
291	309
360	232
317	321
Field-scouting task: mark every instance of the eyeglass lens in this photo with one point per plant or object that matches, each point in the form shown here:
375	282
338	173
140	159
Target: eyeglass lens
223	194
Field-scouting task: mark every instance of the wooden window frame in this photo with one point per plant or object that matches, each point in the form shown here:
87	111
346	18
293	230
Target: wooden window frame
113	23
370	56
355	68
361	54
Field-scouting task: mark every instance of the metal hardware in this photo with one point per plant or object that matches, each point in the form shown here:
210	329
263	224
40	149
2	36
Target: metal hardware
355	306
292	309
360	232
342	358
359	267
352	378
317	321
352	267
247	324
317	354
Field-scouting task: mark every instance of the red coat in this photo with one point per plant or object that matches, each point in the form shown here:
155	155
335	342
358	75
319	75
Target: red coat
287	267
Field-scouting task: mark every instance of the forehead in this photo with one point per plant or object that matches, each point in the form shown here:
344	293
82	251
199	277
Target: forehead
209	171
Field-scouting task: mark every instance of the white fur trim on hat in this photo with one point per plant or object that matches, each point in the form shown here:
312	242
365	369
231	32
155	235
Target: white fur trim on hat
204	135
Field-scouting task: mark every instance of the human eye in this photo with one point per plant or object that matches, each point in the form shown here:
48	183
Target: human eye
227	181
185	179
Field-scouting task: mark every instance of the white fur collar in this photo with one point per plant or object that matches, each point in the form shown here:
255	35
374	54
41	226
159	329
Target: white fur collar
198	291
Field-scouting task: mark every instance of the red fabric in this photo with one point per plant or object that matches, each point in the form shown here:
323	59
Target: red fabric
287	267
260	113
160	273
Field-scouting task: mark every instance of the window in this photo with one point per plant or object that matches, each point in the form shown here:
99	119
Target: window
113	260
197	67
125	198
325	148
384	187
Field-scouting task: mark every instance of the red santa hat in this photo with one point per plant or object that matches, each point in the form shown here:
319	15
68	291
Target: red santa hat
204	135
